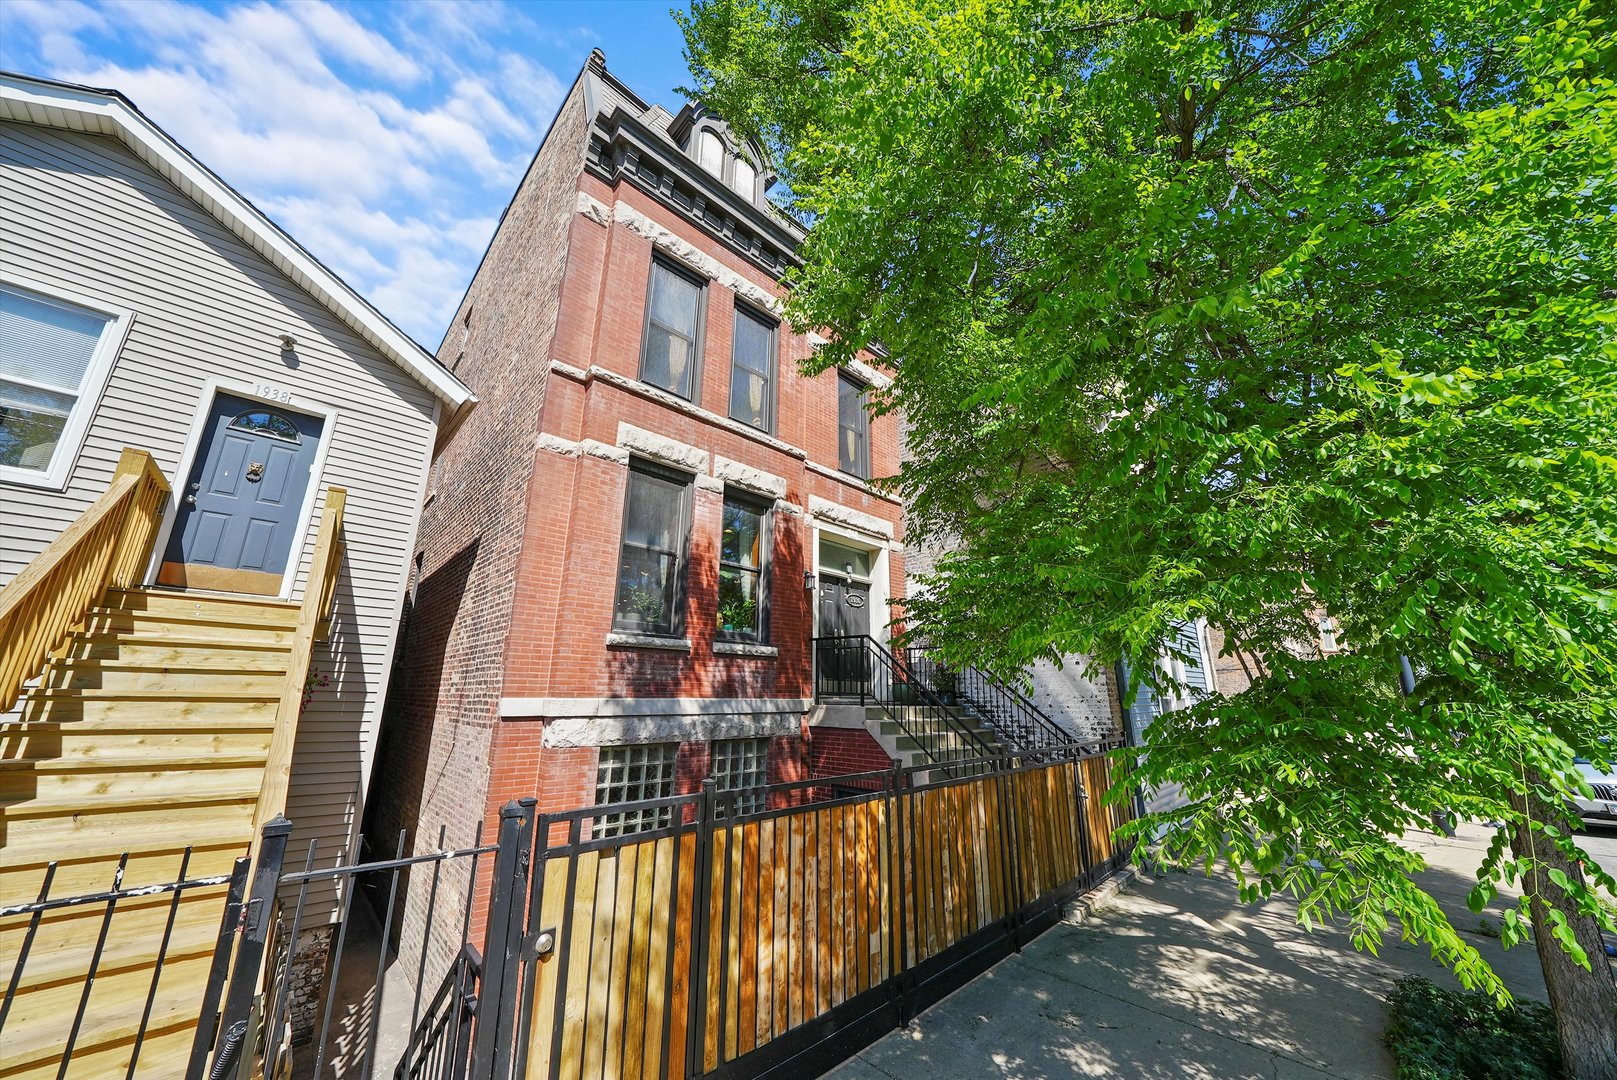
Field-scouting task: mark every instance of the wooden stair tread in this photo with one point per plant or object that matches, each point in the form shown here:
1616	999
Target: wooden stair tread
176	725
176	600
93	693
127	761
179	997
49	806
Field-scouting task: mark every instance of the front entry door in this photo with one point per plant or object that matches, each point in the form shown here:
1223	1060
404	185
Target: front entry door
844	613
239	513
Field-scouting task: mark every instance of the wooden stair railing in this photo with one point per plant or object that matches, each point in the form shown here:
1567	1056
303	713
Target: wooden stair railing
314	624
108	547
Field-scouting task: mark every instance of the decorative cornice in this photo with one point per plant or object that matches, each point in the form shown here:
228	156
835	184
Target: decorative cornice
621	147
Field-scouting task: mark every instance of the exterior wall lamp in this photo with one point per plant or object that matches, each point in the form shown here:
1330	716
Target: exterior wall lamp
808	581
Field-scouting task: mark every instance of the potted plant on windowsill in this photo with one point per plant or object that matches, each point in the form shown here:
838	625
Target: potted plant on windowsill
738	616
645	610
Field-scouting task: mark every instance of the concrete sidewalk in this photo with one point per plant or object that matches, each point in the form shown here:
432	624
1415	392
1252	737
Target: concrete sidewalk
1176	978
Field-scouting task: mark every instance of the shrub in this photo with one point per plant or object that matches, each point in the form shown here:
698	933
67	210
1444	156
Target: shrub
1437	1034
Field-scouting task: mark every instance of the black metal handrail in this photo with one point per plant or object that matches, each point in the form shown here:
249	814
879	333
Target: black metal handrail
1008	711
858	666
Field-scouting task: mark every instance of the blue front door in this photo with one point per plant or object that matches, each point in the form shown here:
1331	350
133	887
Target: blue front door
240	510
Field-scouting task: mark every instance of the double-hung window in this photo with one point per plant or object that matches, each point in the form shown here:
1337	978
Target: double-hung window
631	774
54	359
742	765
672	346
651	563
853	427
752	371
744	570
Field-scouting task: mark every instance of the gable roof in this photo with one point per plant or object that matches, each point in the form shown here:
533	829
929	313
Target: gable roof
106	112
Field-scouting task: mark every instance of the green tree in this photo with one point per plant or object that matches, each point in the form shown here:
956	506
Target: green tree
1240	312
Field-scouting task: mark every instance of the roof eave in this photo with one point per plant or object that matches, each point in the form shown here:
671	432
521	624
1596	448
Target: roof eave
106	112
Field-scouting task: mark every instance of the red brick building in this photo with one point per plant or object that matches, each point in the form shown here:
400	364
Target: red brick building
629	545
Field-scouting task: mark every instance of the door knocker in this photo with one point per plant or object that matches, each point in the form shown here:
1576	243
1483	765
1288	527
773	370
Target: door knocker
255	472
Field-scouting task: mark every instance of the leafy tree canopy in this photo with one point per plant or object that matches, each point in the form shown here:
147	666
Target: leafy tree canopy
1243	313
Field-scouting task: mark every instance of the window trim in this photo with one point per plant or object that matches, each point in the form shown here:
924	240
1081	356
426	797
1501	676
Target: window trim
861	469
92	387
772	391
766	544
699	331
682	555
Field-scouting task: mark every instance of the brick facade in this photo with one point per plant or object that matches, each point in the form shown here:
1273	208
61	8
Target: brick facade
511	673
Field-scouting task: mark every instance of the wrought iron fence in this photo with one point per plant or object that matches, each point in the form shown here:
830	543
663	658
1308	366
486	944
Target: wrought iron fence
859	669
1023	725
117	947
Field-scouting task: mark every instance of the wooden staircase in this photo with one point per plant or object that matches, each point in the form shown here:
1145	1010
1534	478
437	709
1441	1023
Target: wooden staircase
148	742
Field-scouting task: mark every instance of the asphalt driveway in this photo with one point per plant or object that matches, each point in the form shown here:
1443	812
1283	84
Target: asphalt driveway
1175	978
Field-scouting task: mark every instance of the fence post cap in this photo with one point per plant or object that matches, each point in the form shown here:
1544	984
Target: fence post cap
510	810
279	825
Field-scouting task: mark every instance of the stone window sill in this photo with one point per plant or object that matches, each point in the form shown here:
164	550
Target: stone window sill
619	640
745	648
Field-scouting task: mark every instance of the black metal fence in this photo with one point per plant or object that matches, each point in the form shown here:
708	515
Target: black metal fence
758	932
115	952
1023	725
860	670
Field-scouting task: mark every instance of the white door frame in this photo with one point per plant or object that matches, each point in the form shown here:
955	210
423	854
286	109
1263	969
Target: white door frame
211	389
880	599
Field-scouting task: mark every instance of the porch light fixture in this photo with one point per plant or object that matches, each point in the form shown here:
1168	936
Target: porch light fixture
808	581
288	343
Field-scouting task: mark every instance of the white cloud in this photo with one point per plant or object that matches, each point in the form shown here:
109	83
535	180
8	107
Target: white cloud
385	146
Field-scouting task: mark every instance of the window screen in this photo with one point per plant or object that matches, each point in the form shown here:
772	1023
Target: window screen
743	564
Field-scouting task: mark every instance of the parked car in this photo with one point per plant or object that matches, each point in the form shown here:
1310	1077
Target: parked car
1602	809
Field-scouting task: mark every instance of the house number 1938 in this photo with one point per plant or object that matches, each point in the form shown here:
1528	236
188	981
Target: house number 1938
274	393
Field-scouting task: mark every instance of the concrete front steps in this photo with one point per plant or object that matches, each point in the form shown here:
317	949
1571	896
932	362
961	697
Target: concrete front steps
896	738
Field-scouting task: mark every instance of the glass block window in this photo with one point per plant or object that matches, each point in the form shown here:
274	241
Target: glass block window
656	522
752	371
741	765
853	428
743	566
627	774
672	344
46	353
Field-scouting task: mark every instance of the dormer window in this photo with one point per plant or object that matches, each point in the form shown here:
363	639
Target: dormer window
710	153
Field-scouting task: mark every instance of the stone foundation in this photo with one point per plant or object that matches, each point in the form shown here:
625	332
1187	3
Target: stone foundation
311	960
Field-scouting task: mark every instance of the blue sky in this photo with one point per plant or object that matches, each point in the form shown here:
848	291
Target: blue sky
386	137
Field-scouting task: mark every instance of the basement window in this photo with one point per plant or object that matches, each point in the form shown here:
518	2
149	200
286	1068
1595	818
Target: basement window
742	765
630	774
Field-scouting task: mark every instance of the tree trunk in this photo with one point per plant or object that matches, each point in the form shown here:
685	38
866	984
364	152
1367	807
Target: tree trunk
1585	1002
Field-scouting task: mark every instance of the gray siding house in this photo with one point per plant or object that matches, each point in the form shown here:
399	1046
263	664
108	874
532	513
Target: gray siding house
153	322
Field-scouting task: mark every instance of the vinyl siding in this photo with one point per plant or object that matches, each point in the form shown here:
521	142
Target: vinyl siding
1147	706
83	214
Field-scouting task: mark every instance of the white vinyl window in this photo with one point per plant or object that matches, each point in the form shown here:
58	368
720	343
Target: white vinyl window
54	358
742	765
629	774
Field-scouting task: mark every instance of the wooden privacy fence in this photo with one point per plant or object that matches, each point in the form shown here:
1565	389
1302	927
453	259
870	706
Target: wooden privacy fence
781	938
